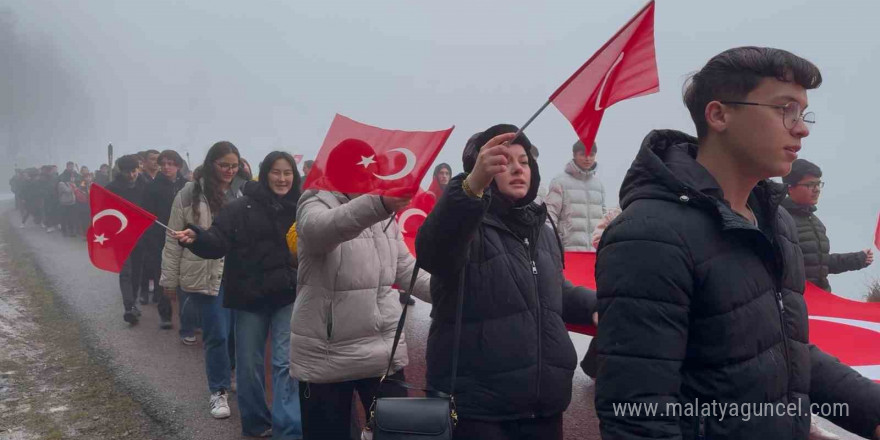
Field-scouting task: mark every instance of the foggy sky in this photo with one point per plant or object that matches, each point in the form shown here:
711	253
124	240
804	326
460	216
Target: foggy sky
271	74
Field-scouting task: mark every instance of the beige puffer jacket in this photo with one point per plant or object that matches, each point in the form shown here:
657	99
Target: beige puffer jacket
180	267
346	311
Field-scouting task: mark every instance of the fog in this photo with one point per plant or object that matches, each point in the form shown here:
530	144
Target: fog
268	75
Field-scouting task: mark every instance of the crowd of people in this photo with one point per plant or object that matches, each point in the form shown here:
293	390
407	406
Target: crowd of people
700	275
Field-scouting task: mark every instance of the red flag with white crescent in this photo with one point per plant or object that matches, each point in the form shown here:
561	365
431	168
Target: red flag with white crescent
361	159
116	226
625	67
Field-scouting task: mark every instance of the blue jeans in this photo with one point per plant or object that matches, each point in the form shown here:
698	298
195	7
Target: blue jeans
251	331
216	322
188	311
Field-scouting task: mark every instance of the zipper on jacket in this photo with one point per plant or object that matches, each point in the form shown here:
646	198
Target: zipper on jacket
330	322
784	338
701	428
537	312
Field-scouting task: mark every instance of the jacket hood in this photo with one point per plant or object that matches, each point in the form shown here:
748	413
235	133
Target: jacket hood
472	150
666	168
575	171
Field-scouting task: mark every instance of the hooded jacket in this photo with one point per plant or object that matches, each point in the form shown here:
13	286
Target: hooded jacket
576	201
346	310
818	259
697	305
259	274
516	360
180	267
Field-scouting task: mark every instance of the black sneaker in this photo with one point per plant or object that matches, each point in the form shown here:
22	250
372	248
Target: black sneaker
130	317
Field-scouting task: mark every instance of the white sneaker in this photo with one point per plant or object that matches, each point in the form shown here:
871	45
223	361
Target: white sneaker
817	433
219	405
50	229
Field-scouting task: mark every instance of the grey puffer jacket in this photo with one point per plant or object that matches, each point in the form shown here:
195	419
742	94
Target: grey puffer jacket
346	310
576	202
818	259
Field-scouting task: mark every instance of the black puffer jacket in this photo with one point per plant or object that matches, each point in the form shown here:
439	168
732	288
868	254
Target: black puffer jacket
158	198
516	358
250	232
818	259
134	193
696	303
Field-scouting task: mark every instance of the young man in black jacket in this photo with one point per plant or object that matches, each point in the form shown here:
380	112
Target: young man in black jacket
158	199
804	187
700	279
127	185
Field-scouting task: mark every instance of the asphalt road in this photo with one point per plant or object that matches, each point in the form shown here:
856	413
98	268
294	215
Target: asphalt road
168	378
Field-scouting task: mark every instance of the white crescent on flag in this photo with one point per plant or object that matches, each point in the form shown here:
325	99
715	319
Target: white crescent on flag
407	214
407	168
112	212
598	106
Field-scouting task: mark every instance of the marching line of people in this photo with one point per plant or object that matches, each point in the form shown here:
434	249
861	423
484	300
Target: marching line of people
700	276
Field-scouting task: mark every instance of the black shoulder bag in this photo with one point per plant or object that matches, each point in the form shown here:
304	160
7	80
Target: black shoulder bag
416	418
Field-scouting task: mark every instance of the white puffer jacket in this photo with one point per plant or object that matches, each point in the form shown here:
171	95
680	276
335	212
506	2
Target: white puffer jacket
576	203
180	267
346	311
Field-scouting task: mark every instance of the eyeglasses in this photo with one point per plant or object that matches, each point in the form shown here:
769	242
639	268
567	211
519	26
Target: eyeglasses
812	185
227	166
791	112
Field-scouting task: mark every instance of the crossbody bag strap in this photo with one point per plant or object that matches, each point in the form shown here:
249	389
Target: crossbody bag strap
402	323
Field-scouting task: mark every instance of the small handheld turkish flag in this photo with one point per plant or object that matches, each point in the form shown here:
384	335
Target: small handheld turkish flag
116	226
625	67
361	159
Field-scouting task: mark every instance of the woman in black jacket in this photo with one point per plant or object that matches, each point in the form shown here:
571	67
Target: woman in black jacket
259	284
516	360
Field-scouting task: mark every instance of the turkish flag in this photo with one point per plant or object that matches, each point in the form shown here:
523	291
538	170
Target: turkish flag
297	158
116	226
361	159
580	269
413	216
846	329
625	67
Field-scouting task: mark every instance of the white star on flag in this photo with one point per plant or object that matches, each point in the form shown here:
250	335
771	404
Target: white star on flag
367	161
100	239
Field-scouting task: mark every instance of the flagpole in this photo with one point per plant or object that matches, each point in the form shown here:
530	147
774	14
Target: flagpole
166	227
529	122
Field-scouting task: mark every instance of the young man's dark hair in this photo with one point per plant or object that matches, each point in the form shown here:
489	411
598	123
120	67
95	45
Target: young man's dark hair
732	74
171	155
127	163
579	147
800	169
700	279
